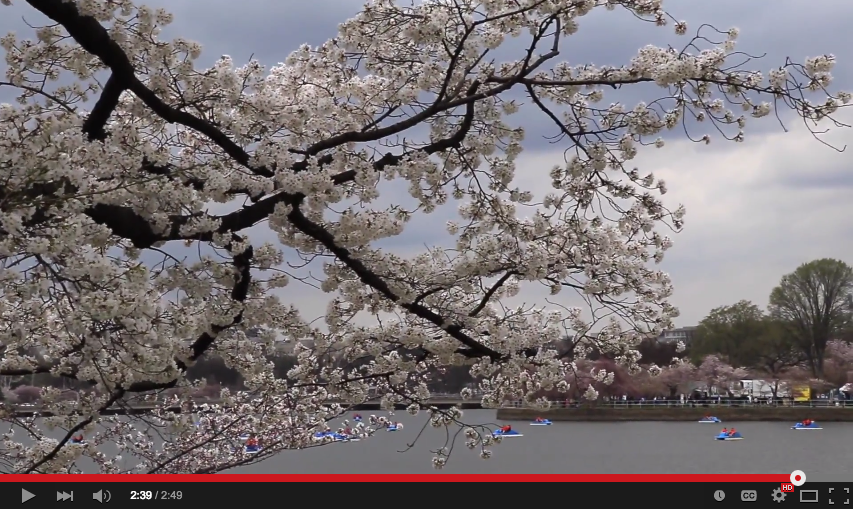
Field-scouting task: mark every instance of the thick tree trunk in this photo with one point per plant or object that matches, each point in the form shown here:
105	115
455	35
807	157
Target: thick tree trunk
818	367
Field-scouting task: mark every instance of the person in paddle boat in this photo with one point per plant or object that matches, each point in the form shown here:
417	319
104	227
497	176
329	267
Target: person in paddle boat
78	439
252	442
506	429
806	423
732	432
725	431
540	420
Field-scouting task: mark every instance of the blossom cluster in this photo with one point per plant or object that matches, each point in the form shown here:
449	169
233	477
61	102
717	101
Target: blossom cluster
120	270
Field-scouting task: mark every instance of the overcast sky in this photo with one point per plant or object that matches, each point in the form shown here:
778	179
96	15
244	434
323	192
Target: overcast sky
756	210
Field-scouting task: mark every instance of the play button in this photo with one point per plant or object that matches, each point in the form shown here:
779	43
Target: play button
26	495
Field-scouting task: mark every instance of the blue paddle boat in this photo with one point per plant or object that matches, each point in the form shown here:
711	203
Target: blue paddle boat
810	425
357	418
252	449
541	422
506	434
727	437
243	437
329	435
710	419
78	442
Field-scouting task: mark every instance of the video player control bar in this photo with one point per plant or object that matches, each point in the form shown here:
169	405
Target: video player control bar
144	493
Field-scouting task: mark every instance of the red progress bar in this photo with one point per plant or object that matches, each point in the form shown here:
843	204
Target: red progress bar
776	478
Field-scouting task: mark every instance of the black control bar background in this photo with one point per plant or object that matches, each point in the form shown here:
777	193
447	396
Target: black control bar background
216	495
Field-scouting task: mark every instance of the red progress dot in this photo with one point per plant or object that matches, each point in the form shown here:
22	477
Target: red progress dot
797	478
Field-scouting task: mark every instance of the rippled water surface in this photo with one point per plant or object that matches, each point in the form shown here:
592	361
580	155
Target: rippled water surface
589	447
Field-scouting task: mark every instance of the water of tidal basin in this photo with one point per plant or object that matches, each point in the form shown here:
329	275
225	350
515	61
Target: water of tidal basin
586	448
589	448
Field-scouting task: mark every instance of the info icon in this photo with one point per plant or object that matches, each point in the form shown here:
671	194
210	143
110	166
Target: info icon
798	477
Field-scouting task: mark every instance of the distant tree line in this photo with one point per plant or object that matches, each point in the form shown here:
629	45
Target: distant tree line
809	313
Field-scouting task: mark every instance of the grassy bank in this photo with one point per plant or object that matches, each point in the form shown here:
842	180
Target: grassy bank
757	413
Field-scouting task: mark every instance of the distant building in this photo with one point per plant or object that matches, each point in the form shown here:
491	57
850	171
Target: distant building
683	334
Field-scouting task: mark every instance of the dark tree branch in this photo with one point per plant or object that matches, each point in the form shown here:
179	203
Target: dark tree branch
95	39
368	277
80	425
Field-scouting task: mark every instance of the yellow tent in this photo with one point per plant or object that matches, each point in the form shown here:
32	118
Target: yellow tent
802	393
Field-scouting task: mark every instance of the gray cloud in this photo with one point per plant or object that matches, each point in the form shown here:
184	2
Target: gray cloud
755	210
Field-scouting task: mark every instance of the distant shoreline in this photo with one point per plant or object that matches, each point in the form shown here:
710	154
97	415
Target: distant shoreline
758	413
143	408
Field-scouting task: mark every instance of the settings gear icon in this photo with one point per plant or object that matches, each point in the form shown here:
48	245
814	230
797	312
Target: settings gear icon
779	495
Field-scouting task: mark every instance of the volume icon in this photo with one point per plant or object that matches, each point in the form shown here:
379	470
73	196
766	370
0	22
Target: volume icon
62	496
102	496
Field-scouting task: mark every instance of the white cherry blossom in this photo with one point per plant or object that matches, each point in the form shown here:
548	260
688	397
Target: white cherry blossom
119	148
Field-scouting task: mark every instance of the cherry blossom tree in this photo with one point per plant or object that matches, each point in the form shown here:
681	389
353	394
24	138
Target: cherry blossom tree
675	377
838	367
104	181
716	373
603	377
27	394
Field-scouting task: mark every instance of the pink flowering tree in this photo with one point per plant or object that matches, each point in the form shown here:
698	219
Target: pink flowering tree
156	213
716	373
27	394
603	377
838	364
677	377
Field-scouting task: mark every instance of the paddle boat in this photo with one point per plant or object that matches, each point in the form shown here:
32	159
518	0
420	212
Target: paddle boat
331	436
727	437
349	435
77	440
357	418
394	426
252	449
506	434
810	425
243	437
541	422
710	419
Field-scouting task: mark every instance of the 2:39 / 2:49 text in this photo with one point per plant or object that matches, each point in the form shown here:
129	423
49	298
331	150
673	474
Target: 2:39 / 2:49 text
155	495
